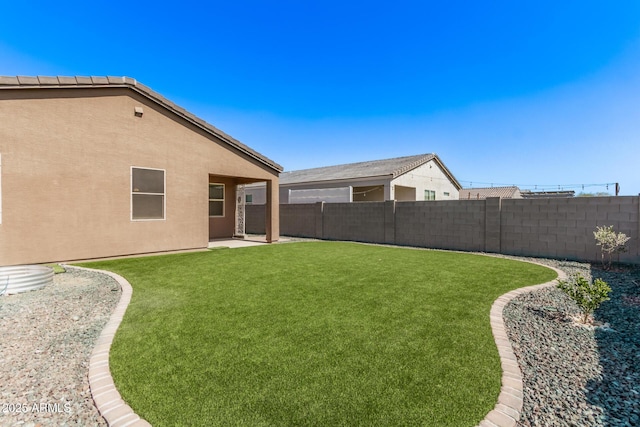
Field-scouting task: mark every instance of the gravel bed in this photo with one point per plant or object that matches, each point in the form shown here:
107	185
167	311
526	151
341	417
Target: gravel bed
577	375
47	337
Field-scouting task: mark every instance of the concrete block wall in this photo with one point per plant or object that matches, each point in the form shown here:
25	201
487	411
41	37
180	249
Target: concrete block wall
554	228
563	228
362	222
295	220
300	220
493	225
254	219
441	224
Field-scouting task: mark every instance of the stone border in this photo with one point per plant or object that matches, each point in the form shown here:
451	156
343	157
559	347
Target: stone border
105	395
509	407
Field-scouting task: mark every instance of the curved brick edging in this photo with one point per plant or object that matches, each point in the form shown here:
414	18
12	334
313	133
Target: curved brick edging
105	395
118	414
507	411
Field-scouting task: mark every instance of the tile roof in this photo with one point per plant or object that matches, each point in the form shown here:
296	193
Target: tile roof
528	194
46	82
483	193
391	168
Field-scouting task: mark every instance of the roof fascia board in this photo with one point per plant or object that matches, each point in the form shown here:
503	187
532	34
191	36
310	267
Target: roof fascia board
447	172
408	168
339	181
426	159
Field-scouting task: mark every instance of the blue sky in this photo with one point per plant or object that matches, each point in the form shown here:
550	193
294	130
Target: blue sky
540	94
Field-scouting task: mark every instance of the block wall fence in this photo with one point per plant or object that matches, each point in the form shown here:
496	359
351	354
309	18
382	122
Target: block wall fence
549	228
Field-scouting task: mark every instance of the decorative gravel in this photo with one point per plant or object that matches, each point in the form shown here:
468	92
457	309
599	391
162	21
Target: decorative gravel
577	375
573	375
46	339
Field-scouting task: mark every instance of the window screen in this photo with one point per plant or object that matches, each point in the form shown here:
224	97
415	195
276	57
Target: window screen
216	199
147	193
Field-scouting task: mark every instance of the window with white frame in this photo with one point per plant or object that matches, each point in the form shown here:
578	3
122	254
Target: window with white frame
216	199
147	193
429	195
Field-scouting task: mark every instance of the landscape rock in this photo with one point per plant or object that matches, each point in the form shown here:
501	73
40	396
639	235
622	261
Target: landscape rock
45	350
575	374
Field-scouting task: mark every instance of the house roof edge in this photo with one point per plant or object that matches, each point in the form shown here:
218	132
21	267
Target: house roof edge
82	82
447	172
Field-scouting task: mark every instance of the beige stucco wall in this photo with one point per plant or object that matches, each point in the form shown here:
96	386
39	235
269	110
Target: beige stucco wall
427	177
404	194
66	163
222	227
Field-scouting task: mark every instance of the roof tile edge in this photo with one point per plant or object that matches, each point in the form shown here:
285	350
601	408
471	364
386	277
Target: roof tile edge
411	166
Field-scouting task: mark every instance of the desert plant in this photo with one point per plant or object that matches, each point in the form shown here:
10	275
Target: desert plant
57	268
610	243
587	295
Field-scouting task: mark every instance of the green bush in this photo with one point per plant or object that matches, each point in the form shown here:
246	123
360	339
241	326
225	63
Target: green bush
57	268
588	296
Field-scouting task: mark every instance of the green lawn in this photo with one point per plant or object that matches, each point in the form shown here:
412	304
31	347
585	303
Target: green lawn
317	333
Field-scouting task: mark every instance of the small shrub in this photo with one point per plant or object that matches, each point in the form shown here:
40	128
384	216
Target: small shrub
588	296
610	242
57	268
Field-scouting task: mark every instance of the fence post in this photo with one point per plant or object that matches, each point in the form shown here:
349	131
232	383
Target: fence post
492	210
319	214
390	222
638	235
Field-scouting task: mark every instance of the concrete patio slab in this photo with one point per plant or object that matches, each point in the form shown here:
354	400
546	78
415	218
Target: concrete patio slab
234	243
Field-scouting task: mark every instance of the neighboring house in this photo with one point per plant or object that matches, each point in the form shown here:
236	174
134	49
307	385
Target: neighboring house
512	192
421	177
483	193
560	194
96	167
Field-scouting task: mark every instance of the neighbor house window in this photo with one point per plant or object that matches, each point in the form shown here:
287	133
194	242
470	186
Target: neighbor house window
446	193
216	199
147	193
248	199
429	195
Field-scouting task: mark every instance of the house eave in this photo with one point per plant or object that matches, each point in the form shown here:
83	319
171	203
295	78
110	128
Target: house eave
448	173
79	82
338	181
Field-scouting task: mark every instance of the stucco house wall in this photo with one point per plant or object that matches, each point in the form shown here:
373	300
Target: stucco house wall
429	176
67	158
